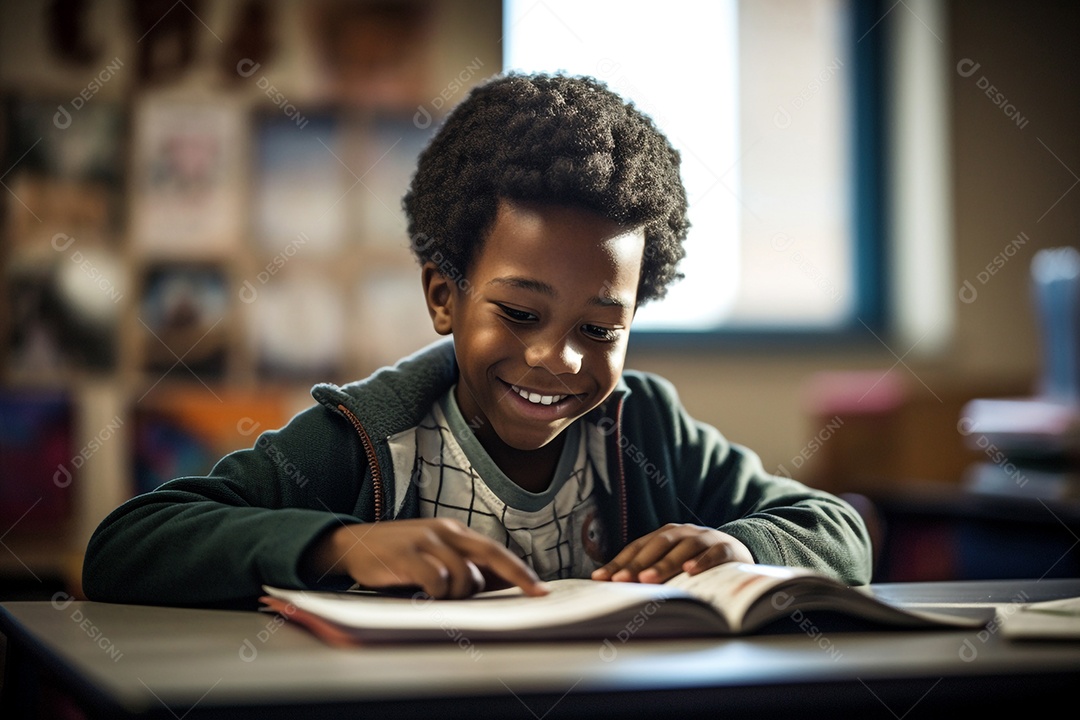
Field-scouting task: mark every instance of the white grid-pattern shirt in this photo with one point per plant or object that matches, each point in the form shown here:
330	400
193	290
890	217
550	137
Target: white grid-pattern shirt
556	532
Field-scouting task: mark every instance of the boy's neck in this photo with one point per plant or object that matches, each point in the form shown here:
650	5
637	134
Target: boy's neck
530	470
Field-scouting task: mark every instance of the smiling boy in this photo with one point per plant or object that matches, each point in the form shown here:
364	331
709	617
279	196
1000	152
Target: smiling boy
544	212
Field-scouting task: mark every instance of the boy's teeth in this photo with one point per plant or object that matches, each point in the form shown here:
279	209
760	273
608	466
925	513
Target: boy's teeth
537	397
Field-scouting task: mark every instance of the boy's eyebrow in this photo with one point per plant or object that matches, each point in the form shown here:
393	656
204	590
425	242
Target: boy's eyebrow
539	286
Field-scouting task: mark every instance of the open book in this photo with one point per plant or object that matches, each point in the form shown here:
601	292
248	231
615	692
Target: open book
729	599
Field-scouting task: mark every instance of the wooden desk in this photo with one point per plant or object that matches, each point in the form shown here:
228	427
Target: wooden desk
137	661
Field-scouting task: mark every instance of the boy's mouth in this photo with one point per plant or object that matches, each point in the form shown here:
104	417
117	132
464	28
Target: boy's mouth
538	399
542	405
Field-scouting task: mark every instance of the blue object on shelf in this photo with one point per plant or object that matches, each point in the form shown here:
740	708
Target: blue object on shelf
1055	274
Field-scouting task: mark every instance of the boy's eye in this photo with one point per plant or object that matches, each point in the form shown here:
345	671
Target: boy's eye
516	315
600	333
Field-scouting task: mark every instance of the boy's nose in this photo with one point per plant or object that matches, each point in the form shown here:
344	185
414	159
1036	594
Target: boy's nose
556	355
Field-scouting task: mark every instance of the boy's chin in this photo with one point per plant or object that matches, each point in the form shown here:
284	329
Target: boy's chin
532	443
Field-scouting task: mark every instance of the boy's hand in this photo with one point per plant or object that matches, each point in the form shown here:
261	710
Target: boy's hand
674	548
444	558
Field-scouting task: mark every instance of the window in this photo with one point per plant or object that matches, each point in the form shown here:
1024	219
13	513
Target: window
758	98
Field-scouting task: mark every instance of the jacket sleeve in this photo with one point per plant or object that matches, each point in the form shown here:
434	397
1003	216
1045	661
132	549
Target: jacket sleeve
216	540
707	480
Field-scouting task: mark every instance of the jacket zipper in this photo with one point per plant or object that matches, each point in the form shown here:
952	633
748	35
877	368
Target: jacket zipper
623	521
373	461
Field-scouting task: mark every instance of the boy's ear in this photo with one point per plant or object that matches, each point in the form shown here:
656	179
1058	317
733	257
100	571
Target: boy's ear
439	297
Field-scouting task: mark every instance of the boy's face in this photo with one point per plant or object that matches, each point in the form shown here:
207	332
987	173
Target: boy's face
540	328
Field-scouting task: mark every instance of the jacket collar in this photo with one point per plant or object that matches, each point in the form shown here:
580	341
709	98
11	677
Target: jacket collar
395	398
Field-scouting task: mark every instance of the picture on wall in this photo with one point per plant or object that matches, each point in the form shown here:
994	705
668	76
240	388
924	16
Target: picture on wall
65	307
63	173
300	186
386	159
298	327
188	184
184	316
374	54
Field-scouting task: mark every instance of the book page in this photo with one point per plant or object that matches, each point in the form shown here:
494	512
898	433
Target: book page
569	601
744	594
732	588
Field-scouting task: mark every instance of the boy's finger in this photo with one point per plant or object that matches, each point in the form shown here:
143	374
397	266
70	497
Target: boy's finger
497	559
619	562
679	558
656	557
601	573
607	572
431	575
461	575
521	575
658	546
661	571
712	556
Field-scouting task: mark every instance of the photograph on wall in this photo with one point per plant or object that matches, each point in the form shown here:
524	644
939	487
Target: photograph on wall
188	177
298	327
386	160
183	314
373	54
64	311
390	319
63	172
300	186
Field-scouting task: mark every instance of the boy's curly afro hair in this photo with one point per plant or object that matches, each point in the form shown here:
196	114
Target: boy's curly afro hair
547	138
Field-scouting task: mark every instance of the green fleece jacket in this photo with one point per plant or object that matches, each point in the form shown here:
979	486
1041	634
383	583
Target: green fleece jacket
215	540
